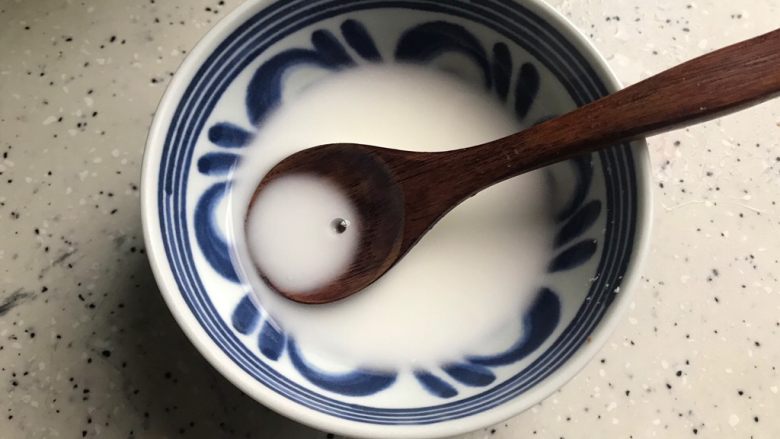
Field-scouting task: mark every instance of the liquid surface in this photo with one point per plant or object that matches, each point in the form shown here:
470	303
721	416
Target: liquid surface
462	286
298	235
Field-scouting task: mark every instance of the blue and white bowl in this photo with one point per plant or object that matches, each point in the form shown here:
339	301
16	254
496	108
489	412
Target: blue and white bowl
524	54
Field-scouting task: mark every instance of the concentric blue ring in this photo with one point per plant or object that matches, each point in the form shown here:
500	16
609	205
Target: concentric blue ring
280	19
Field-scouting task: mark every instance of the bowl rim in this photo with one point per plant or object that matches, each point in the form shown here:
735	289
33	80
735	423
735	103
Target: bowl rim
279	403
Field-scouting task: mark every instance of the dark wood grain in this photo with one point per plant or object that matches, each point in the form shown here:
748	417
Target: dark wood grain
401	194
371	186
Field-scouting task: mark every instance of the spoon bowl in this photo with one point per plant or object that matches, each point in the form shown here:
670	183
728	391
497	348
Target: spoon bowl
366	179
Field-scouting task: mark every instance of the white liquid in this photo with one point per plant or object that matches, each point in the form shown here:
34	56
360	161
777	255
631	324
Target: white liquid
464	284
291	236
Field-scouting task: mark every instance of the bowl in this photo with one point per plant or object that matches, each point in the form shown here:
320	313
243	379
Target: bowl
529	59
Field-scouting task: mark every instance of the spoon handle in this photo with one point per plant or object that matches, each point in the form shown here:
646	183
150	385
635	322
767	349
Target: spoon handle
725	80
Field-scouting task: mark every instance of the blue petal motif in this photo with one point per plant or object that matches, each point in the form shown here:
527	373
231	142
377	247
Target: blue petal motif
207	233
578	223
434	384
271	341
470	374
265	89
428	40
502	69
539	322
330	51
356	383
245	316
228	135
359	39
583	169
217	163
573	256
526	89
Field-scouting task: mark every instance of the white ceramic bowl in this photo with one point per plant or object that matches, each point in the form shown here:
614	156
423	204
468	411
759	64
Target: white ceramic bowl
526	55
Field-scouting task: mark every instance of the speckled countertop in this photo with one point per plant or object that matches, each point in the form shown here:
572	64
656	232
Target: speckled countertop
88	348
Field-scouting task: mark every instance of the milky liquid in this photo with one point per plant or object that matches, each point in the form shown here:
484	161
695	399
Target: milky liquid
292	236
462	286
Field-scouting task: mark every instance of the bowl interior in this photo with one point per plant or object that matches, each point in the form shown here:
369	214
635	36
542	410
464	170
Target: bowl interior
521	54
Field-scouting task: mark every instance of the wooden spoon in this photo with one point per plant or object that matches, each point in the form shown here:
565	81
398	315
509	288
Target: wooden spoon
400	195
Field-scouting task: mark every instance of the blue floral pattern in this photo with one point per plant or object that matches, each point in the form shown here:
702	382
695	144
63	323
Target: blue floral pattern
420	44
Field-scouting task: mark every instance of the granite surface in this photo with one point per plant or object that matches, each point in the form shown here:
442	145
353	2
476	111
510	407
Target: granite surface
88	348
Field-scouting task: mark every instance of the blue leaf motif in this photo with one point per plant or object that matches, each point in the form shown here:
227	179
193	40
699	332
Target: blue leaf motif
265	88
434	384
429	40
330	51
583	169
271	340
526	89
470	374
578	223
573	256
228	135
355	383
245	316
539	322
359	39
217	163
208	235
502	69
